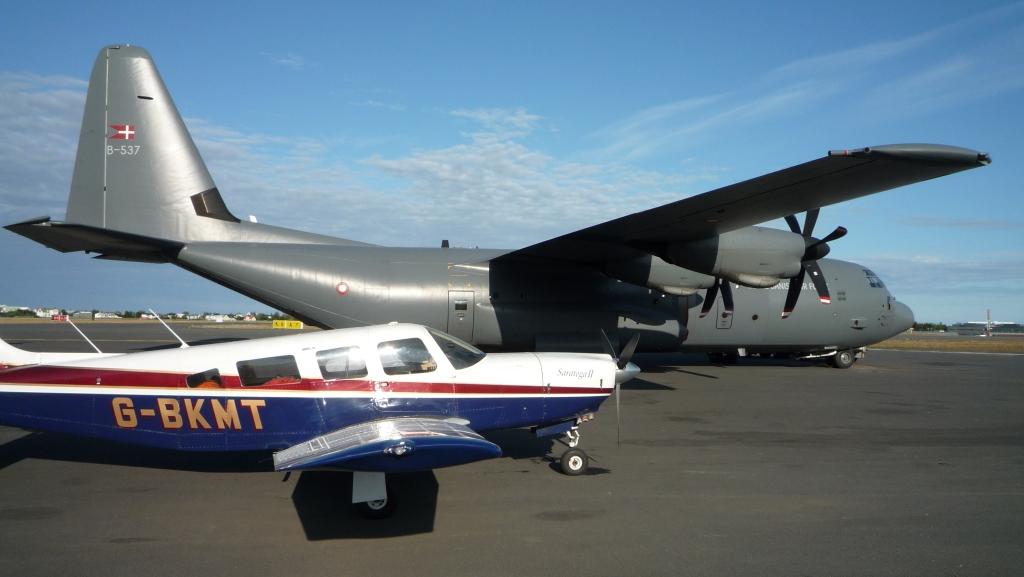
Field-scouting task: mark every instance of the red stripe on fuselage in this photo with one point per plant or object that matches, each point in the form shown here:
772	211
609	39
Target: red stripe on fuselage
104	377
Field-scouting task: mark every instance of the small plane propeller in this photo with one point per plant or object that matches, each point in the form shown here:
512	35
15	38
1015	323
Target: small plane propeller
721	284
816	249
626	371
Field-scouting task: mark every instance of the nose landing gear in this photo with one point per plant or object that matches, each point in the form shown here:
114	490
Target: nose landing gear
574	461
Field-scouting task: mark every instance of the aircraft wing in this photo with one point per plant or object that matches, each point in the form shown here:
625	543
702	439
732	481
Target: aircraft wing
390	446
841	175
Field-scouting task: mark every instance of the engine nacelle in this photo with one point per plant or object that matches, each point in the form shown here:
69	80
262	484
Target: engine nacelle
651	271
753	256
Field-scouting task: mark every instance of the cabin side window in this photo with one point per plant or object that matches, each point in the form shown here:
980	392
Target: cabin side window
341	363
205	380
405	357
269	371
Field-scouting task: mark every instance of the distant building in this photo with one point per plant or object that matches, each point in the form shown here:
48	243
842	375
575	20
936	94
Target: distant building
219	318
46	313
82	316
106	315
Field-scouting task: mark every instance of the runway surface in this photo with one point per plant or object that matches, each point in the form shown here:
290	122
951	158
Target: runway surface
906	464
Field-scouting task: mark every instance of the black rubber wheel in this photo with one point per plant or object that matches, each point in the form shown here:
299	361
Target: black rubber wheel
376	509
574	462
843	359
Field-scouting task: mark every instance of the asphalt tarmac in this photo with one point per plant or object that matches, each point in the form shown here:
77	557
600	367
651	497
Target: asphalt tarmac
910	463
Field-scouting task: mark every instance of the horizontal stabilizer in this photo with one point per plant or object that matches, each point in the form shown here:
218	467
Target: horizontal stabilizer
11	356
390	446
67	237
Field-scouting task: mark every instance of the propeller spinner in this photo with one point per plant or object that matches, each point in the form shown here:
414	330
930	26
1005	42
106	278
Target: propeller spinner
816	249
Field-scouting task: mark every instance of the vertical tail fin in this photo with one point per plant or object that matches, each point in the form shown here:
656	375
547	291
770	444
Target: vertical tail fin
140	190
138	170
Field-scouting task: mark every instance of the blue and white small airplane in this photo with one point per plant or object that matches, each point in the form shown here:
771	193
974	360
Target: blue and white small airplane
373	400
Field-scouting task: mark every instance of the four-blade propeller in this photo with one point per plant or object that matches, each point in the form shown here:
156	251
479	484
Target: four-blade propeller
816	249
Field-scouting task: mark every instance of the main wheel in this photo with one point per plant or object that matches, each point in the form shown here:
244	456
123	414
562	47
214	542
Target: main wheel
574	462
380	509
843	359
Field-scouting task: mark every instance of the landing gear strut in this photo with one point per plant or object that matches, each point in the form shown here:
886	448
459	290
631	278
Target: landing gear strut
371	496
574	461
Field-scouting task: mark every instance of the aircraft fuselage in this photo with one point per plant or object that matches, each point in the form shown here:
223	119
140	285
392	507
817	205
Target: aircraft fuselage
528	306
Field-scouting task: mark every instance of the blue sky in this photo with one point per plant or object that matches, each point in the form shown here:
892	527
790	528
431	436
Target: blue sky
499	125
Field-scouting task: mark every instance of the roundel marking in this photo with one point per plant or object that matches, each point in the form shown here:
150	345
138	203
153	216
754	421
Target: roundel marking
342	288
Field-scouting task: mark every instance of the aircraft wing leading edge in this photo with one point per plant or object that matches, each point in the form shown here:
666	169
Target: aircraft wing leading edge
839	176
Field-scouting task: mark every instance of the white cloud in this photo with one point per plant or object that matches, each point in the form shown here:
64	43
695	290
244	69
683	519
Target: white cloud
873	73
293	61
39	123
493	190
507	123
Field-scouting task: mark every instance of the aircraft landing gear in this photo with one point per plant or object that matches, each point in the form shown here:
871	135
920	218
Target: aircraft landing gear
377	509
371	496
574	461
843	359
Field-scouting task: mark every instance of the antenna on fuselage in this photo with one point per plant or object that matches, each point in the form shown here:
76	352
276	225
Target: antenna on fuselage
91	344
184	345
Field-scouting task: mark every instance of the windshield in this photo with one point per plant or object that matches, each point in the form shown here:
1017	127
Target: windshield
460	353
873	279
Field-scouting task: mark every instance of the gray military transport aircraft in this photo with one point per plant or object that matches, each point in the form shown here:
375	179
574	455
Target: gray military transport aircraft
141	192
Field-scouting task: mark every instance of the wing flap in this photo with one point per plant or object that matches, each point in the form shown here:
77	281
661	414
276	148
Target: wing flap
390	446
839	176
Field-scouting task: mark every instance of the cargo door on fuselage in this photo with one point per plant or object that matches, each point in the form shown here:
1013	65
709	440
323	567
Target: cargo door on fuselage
460	314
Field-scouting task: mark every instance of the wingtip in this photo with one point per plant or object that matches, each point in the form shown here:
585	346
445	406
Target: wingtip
935	153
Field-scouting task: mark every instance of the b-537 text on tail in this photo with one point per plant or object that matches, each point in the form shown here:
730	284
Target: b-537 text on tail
141	192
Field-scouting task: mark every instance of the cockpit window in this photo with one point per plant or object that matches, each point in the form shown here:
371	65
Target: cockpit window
341	363
405	357
460	353
873	279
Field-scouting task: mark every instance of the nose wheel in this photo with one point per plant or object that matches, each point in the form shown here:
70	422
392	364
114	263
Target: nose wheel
574	461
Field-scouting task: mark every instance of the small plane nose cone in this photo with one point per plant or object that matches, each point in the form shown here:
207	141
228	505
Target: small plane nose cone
626	373
904	317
